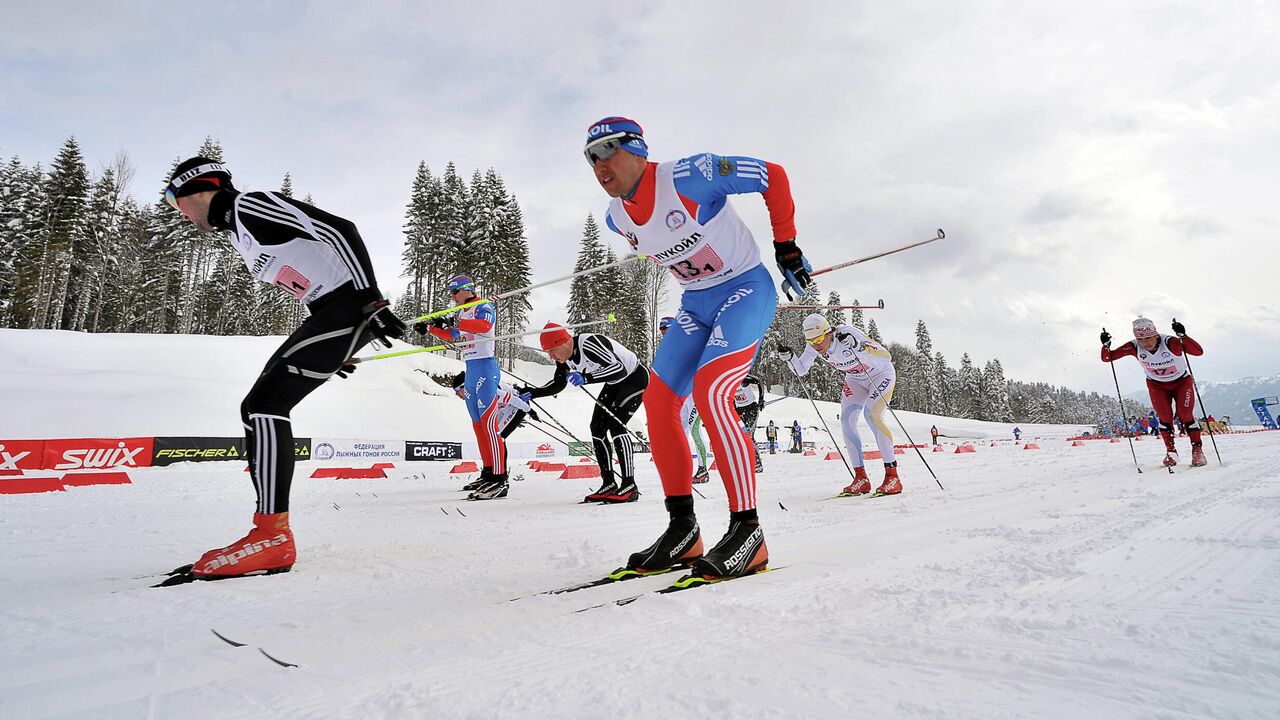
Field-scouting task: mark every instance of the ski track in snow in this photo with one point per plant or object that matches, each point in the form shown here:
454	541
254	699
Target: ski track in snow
1041	584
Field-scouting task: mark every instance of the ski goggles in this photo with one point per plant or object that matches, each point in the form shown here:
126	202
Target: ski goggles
607	147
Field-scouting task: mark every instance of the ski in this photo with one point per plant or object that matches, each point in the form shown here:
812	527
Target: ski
266	654
183	575
617	576
880	494
688	582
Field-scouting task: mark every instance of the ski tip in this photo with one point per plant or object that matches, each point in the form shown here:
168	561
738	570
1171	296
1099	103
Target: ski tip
277	661
226	639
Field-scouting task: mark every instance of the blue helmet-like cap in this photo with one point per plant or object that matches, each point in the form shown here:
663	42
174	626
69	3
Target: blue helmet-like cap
619	128
461	282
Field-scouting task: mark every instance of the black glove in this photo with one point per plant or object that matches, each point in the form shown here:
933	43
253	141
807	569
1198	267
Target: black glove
1105	337
443	322
421	327
844	337
795	268
1179	329
383	324
348	367
785	353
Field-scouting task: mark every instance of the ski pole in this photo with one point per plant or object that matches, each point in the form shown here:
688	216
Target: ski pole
1125	414
528	288
1196	386
913	445
824	422
453	346
553	437
851	263
879	306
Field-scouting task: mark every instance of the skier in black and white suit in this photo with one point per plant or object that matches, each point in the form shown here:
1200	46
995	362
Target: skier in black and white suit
320	259
594	358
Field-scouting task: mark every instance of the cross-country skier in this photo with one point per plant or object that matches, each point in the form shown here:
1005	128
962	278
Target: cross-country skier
320	259
749	401
678	214
1169	381
474	325
589	358
771	434
933	433
797	437
510	410
869	380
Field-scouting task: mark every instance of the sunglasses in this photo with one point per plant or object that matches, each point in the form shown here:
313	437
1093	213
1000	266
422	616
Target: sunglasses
816	340
606	148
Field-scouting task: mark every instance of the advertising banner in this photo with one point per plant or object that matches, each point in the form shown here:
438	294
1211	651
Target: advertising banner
21	454
427	450
169	450
97	453
342	449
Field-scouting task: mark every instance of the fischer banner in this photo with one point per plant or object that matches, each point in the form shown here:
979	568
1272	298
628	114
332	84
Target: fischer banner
170	450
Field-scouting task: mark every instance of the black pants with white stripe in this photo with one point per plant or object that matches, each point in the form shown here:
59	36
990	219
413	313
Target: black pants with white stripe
311	355
622	399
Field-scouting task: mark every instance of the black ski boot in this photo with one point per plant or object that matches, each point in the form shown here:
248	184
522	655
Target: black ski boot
700	475
678	546
741	551
486	476
608	488
626	492
492	490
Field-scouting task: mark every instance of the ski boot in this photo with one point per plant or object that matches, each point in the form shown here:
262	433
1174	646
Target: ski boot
1171	458
861	484
608	488
486	475
678	546
701	475
626	492
741	551
1197	456
891	485
266	550
492	490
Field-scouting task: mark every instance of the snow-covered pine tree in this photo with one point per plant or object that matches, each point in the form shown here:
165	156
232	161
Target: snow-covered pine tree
931	394
286	186
98	247
511	270
995	393
584	291
969	390
21	210
948	385
873	332
416	257
57	265
835	317
855	316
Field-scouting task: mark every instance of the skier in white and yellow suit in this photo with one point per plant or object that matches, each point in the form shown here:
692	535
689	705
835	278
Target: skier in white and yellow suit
869	380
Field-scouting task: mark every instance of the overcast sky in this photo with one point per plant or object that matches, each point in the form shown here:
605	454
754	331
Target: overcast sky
1088	160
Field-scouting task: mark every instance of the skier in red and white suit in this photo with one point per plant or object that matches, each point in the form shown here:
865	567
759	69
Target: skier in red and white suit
678	215
1169	380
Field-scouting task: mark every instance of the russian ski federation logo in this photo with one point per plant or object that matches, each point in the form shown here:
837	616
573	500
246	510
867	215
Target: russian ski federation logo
676	219
717	338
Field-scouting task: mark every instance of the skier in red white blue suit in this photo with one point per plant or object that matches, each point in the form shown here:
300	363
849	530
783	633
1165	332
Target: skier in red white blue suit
678	214
474	326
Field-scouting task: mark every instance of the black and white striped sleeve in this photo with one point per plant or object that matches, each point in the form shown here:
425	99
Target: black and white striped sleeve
600	350
274	219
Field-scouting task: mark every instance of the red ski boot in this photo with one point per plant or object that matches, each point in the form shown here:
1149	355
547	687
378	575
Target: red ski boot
891	485
861	484
1171	458
266	550
1197	456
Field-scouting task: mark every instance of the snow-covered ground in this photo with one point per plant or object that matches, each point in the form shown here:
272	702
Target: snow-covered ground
1050	583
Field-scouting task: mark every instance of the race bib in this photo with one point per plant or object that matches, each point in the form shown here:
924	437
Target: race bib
702	262
293	282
